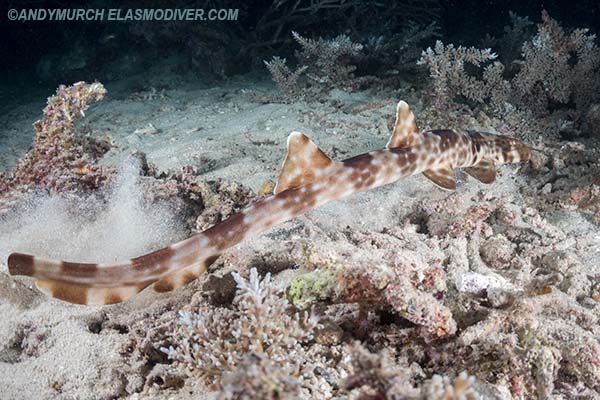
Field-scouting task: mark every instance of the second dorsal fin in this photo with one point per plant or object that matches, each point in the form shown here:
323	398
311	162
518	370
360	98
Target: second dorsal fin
406	133
304	163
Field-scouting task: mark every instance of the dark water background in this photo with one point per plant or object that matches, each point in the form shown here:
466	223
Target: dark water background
37	56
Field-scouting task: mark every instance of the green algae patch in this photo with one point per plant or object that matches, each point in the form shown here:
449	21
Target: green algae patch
310	288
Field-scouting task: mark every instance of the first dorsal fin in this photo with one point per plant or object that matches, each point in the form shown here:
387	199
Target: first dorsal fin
406	133
304	163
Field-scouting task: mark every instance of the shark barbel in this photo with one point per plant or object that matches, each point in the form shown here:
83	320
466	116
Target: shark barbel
308	179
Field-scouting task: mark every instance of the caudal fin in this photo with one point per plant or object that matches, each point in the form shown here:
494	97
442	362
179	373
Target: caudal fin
85	283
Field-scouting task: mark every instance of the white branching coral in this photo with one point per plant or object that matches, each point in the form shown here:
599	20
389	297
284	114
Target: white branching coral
447	68
284	78
555	67
328	61
559	66
441	388
209	342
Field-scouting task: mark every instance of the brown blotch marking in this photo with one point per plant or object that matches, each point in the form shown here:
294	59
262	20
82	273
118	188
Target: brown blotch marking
411	163
475	146
210	260
484	171
374	169
68	292
307	202
188	276
369	181
524	153
365	175
21	264
443	177
402	158
309	197
112	297
355	175
163	286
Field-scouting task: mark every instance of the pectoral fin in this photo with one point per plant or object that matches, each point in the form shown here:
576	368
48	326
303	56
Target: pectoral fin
484	171
443	177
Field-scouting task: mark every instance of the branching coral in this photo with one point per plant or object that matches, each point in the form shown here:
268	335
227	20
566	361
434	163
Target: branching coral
326	63
332	63
329	62
441	388
509	45
559	67
447	68
395	53
286	80
555	68
209	342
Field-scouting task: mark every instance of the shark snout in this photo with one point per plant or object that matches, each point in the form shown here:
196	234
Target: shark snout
513	150
524	152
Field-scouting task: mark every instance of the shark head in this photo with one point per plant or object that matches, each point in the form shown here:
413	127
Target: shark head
511	150
503	149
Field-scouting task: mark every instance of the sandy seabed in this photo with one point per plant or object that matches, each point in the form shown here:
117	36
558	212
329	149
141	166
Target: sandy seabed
530	260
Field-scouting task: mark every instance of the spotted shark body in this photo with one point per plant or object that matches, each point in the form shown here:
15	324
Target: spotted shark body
308	179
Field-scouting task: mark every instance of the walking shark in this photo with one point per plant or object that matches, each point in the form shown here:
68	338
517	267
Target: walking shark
308	179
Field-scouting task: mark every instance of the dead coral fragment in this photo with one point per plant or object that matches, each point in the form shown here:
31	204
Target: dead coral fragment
58	160
258	377
209	342
378	376
530	346
377	286
220	200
